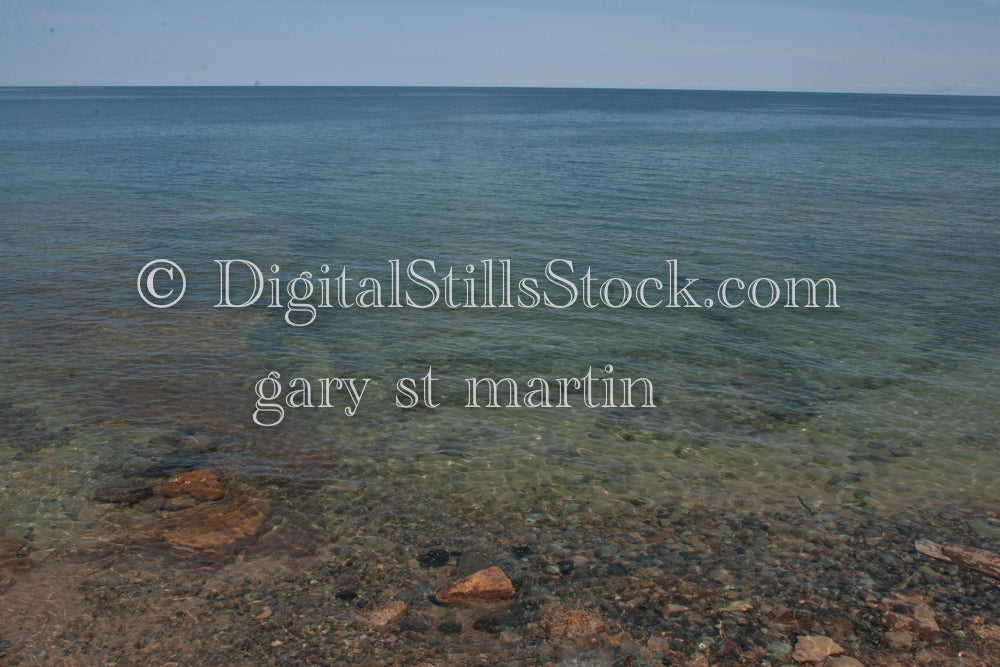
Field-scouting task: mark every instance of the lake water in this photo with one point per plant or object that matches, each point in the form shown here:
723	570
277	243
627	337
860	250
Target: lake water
892	197
888	401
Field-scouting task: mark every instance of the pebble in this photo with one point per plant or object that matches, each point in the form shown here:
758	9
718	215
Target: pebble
434	558
384	616
565	567
738	605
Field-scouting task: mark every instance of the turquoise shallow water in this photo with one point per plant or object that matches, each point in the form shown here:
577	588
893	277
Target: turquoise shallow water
890	398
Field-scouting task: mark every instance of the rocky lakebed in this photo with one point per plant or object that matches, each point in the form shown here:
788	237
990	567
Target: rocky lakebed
199	567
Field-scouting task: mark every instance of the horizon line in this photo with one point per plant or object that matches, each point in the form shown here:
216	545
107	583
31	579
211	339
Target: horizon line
492	87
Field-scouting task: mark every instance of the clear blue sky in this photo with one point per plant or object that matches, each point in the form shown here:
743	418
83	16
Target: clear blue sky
907	46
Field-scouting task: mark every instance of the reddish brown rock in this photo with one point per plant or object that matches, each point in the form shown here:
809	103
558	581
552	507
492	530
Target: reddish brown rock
212	527
815	648
792	621
201	484
489	585
908	611
838	627
844	662
737	606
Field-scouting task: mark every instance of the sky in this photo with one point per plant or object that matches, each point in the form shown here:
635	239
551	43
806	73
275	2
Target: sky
890	46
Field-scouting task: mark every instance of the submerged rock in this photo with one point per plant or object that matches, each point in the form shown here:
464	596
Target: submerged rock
815	648
212	527
909	611
201	484
434	558
845	662
385	616
489	585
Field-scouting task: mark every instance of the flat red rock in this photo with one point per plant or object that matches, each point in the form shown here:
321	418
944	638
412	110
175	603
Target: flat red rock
815	648
213	527
489	585
909	611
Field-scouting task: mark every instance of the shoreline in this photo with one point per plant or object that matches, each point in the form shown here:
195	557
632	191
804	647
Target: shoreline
738	583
